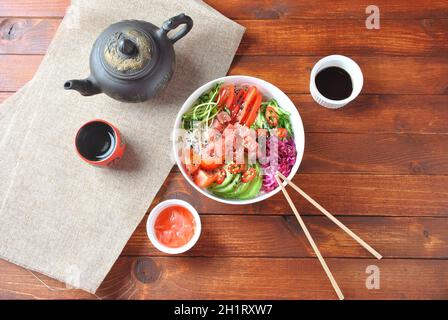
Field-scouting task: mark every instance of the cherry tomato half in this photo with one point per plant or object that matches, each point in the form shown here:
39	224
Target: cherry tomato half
235	108
282	133
226	97
191	168
253	114
234	168
211	163
204	179
271	116
231	97
249	175
241	95
221	175
222	96
248	102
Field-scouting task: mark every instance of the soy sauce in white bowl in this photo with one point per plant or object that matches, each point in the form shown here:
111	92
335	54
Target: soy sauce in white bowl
334	83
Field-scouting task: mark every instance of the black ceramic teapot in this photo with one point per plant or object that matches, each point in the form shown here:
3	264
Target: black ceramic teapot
132	60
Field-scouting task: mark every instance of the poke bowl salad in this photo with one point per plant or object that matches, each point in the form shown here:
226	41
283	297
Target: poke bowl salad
233	135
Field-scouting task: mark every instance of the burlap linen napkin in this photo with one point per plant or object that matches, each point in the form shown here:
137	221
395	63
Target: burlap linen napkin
60	216
8	115
14	122
15	117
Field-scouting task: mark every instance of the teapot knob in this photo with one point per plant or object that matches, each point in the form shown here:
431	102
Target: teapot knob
127	47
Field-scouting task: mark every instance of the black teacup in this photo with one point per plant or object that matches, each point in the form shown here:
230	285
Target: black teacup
99	143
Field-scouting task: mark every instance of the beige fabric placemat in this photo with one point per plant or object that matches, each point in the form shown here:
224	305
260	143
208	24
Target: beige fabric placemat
14	120
69	220
16	117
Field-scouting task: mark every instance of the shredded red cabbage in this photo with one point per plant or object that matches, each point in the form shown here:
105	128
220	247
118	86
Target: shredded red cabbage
286	154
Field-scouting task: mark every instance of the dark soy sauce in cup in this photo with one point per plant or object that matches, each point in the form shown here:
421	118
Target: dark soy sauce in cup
96	141
334	83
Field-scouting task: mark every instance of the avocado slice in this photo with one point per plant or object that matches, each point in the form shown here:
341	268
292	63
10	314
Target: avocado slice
227	180
228	188
246	190
253	190
255	185
241	189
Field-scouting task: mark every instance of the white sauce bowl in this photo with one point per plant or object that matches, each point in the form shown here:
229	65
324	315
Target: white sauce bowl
155	214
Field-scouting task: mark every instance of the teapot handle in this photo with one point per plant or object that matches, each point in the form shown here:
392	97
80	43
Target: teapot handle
176	21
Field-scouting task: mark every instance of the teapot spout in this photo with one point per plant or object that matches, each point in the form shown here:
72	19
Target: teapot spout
85	87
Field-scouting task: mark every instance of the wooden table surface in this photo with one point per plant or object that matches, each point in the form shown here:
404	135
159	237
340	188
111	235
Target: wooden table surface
380	164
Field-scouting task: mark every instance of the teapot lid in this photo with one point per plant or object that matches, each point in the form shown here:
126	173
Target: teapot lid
126	51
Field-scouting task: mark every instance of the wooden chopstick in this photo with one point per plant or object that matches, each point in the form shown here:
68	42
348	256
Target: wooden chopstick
311	241
331	217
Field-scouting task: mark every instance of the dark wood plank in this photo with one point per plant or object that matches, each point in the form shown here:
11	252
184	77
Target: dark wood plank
375	154
347	37
279	37
377	114
33	8
391	75
266	9
205	278
248	278
329	9
273	236
371	114
382	75
353	194
26	36
15	71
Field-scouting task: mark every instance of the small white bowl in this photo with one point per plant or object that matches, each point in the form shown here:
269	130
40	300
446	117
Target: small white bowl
268	90
155	214
342	62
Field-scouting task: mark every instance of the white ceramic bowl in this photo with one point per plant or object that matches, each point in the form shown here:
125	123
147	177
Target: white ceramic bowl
348	65
269	91
155	214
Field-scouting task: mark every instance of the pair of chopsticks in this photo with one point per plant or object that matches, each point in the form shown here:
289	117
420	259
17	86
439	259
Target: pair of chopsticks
308	235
